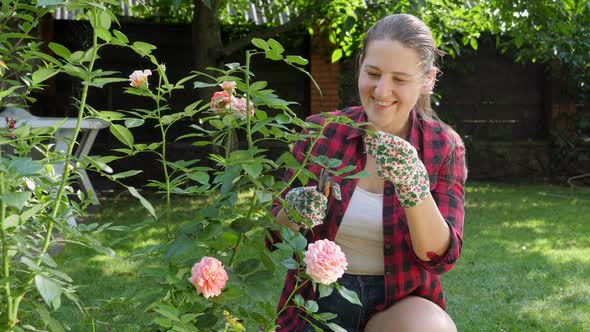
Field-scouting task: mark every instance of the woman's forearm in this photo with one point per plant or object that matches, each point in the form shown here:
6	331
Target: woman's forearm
429	231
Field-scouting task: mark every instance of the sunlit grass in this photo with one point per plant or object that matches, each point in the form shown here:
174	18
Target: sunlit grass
525	262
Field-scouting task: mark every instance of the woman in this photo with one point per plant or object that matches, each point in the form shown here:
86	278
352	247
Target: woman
401	226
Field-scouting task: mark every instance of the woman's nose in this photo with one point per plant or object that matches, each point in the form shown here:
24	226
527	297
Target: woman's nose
383	87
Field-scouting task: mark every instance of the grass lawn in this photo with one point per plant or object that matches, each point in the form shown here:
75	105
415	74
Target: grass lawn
524	267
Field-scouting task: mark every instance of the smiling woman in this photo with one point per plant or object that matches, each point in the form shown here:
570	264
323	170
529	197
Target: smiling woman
416	175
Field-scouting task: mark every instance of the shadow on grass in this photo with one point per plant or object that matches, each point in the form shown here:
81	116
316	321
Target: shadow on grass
525	261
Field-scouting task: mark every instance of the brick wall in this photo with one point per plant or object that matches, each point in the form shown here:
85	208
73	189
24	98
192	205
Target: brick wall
326	75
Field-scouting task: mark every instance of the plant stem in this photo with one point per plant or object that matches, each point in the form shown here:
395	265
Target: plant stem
64	179
306	158
5	258
164	161
236	248
248	116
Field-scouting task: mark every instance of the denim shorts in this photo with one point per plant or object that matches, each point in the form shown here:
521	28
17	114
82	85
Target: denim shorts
352	317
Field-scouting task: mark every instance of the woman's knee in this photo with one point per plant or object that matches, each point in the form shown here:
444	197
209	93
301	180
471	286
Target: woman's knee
412	314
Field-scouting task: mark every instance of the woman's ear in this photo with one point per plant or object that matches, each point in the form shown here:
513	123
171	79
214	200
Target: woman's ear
430	81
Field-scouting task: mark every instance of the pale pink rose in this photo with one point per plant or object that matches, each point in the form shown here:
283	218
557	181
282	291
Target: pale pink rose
228	85
138	78
239	105
208	276
325	261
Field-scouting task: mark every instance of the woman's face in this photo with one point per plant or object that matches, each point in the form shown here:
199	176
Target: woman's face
390	82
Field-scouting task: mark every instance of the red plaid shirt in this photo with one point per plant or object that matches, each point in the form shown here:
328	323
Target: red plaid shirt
443	154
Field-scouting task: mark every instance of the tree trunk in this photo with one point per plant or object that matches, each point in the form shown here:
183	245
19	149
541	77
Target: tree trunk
206	40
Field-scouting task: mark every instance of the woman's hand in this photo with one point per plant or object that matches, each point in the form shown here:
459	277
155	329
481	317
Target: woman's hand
398	162
310	204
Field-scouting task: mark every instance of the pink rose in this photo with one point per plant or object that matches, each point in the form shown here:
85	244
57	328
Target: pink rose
220	101
208	276
239	104
138	78
228	85
325	261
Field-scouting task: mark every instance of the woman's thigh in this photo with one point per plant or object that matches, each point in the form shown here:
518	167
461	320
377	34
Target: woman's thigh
412	314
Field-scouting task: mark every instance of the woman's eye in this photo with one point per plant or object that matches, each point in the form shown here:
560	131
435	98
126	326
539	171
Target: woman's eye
400	81
373	74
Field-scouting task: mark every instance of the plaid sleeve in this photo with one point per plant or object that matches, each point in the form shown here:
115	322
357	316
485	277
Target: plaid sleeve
449	195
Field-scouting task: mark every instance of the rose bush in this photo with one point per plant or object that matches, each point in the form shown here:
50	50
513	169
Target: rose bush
240	188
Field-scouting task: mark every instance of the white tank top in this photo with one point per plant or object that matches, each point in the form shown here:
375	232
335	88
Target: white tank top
360	235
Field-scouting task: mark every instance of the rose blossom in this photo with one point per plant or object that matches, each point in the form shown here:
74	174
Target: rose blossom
139	78
220	101
208	276
239	104
325	261
228	85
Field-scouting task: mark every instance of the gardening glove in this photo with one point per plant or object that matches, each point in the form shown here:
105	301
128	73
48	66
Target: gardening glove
398	162
309	203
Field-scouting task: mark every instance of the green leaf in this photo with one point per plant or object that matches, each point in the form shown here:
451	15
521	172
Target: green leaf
49	290
199	85
260	43
16	199
473	43
311	306
11	221
252	169
43	74
142	48
122	134
258	86
53	324
143	201
276	46
132	123
163	322
267	260
349	295
120	36
336	55
125	174
359	175
273	55
25	167
101	81
60	50
290	263
27	214
297	60
325	290
263	196
242	225
299	241
199	176
248	266
334	327
326	316
103	34
168	311
105	20
7	92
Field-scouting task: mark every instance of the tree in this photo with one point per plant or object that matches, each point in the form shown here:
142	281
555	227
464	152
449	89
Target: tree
545	31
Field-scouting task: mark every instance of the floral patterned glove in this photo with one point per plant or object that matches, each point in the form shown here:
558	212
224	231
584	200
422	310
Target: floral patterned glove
398	162
309	203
